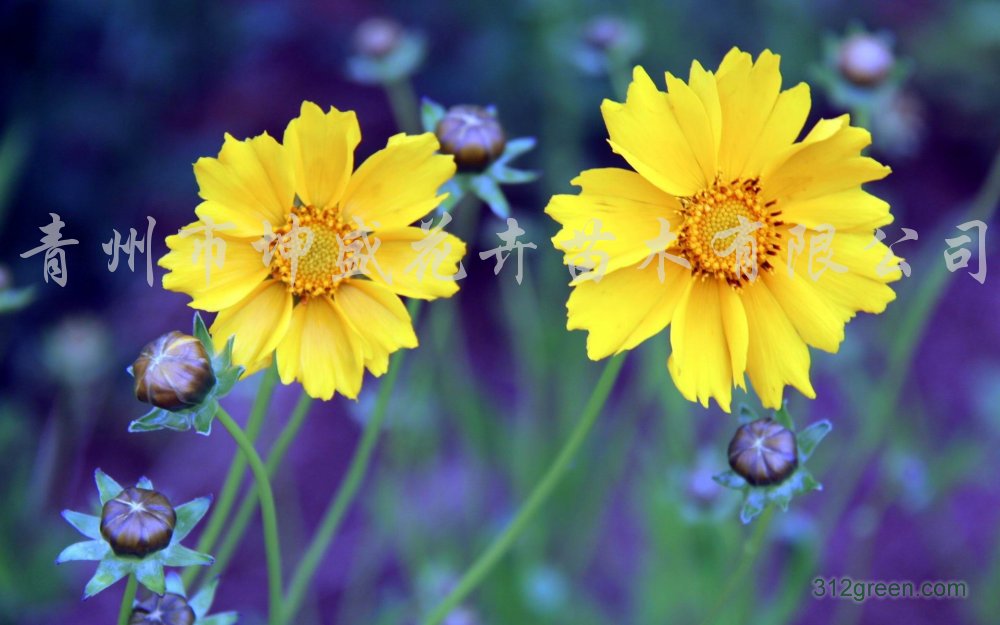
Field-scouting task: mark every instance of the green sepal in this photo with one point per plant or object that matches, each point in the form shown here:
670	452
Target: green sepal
13	300
401	62
202	601
808	439
87	524
222	618
109	571
107	487
730	479
200	332
188	515
430	114
149	572
180	556
175	585
86	550
487	189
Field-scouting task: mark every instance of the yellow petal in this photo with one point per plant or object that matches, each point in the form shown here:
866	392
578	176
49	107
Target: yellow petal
776	355
781	129
379	317
398	184
248	184
258	322
734	321
626	206
821	166
215	270
416	263
695	122
704	84
321	147
852	209
322	350
645	132
625	307
747	95
700	363
817	322
864	286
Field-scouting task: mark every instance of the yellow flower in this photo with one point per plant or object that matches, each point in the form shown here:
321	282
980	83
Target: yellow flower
304	258
741	275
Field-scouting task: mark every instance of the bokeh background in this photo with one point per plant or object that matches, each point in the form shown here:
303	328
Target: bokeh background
107	104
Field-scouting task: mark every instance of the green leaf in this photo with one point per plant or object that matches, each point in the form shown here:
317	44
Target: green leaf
87	524
86	550
188	515
730	479
202	602
430	114
144	482
160	419
201	333
107	487
150	574
176	586
781	416
179	555
204	416
810	437
753	505
109	571
222	618
489	191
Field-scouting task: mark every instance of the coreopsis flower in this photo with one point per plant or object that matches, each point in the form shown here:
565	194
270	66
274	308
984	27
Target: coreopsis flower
176	608
752	245
315	253
139	532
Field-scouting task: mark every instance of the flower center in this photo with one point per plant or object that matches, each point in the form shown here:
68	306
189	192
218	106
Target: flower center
313	252
728	231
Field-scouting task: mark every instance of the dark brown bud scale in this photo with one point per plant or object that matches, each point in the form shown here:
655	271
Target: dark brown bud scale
138	522
377	37
763	452
173	372
865	59
473	135
170	609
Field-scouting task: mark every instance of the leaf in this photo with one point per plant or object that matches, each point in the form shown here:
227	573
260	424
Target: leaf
160	419
188	515
87	524
203	417
176	586
108	572
730	479
201	333
810	437
489	191
107	487
202	601
781	416
86	550
150	574
222	618
430	114
180	556
752	505
144	482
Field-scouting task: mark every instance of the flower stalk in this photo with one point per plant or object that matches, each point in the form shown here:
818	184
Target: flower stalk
128	598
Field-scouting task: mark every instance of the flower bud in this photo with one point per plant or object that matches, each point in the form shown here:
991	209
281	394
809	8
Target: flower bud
378	37
471	134
763	452
605	32
138	522
173	372
865	59
170	609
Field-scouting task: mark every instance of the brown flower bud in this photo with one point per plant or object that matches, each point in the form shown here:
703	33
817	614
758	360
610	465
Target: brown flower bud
763	452
378	37
471	134
865	59
170	609
173	372
138	522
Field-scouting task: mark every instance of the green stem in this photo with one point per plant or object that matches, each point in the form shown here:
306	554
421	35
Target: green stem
268	512
125	611
237	528
405	108
234	479
499	547
338	506
743	569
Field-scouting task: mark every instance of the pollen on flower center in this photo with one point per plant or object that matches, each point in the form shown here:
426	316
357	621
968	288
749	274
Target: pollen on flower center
313	252
728	232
